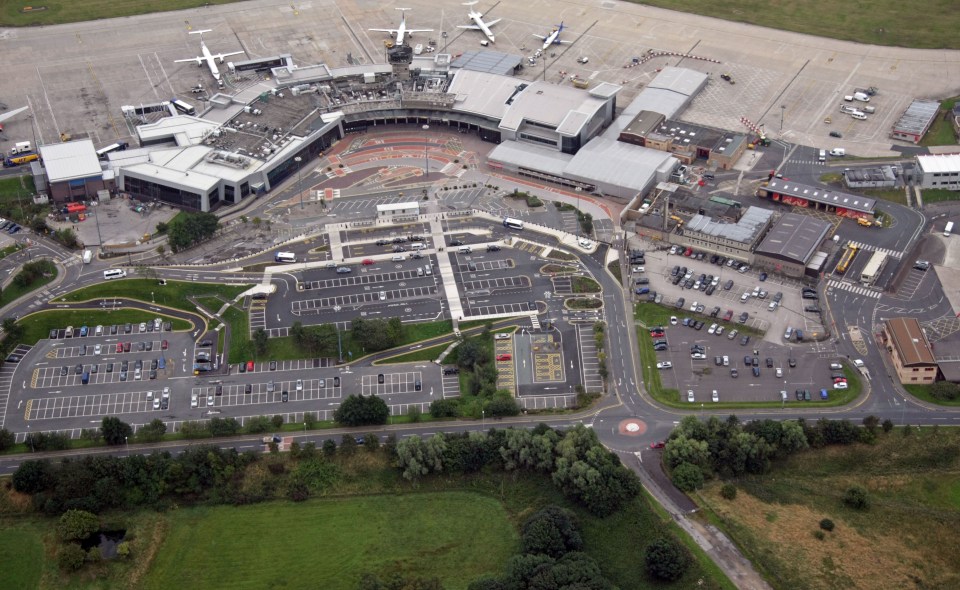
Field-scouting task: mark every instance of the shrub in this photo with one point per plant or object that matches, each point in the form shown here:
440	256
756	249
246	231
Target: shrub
887	425
728	491
819	535
77	524
856	497
309	420
445	408
329	447
71	557
123	550
552	531
414	413
687	477
666	559
277	421
826	524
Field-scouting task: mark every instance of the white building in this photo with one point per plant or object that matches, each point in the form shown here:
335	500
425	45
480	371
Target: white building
391	211
939	171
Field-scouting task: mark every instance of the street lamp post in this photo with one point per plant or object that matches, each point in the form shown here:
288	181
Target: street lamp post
298	159
783	108
426	161
151	297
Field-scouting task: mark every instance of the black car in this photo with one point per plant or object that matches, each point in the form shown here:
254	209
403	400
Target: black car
284	396
769	363
711	289
273	365
812	308
113	329
451	370
64	370
382	242
124	365
809	295
792	363
167	326
204	343
127	328
141	346
336	381
243	367
493	248
153	374
675	271
78	369
699	325
138	364
799	394
149	345
456	243
744	317
756	371
747	360
153	364
680	302
836	134
744	341
109	367
248	388
715	311
677	279
728	285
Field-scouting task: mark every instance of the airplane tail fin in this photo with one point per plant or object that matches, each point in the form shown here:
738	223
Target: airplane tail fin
470	3
560	27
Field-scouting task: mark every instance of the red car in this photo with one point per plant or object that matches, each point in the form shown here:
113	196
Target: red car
727	316
126	347
163	345
367	262
657	334
658	444
249	366
504	357
119	346
840	380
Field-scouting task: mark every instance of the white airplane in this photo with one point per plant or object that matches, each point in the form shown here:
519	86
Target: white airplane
402	31
208	57
553	38
479	25
11	114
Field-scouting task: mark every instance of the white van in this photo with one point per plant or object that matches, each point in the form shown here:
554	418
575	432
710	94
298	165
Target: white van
398	258
859	116
87	256
465	250
419	246
861	96
839	152
823	156
114	273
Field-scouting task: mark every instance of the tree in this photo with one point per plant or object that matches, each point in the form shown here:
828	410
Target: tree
162	227
856	497
71	557
371	441
188	229
329	447
945	390
445	408
348	445
360	410
666	559
681	449
551	531
417	457
260	340
472	353
161	250
67	237
152	432
77	524
7	439
687	477
32	477
115	432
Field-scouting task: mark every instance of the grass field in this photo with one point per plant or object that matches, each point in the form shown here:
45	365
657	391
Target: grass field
14	291
894	195
173	294
38	325
21	556
68	11
422	354
907	538
937	195
941	132
879	22
922	392
329	543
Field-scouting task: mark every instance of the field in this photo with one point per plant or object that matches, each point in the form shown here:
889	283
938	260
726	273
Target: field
906	539
68	11
173	294
329	543
15	291
38	325
21	555
878	22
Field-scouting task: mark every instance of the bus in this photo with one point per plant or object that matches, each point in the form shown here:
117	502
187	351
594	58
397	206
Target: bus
947	229
873	268
115	147
114	273
512	223
846	259
183	107
285	257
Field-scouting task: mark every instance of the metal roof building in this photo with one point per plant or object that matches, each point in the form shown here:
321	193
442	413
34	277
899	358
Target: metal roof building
801	195
668	94
911	353
939	171
884	176
747	230
490	62
794	238
72	171
916	120
618	168
484	94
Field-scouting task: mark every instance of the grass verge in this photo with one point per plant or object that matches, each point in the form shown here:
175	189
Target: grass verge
614	268
173	294
15	291
21	545
38	325
941	132
880	22
922	392
57	12
585	285
423	354
894	195
938	195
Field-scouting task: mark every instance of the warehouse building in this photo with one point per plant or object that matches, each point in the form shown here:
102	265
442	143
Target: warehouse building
687	142
72	171
793	193
790	247
939	171
914	123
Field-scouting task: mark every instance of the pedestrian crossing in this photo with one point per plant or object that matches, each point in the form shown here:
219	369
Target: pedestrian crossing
890	253
854	288
535	321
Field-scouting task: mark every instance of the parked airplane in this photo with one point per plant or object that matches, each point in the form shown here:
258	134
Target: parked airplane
10	115
479	25
209	57
402	31
553	38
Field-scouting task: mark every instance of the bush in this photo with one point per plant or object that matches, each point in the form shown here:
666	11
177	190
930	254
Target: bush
856	497
826	524
552	531
414	413
309	420
71	557
258	425
7	439
359	410
887	425
728	491
123	550
666	559
819	535
687	477
445	408
329	447
277	421
77	524
945	390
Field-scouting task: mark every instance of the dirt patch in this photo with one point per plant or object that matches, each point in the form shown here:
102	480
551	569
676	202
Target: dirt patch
850	556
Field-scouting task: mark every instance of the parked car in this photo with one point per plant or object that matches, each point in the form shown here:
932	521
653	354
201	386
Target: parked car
665	365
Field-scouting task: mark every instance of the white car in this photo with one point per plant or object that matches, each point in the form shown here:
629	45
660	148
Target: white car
840	385
744	297
726	361
383	295
149	395
715	281
698	356
779	372
690	395
209	399
639	269
299	384
715	396
694	306
585	243
673	249
858	363
712	329
156	404
194	401
166	393
719	330
665	365
97	349
673	320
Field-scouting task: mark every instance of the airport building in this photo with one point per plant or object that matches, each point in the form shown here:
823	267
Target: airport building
791	246
789	192
914	123
733	240
911	354
71	171
939	171
687	142
882	177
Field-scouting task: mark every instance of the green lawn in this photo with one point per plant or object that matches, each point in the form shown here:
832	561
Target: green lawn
38	325
68	11
614	268
922	392
422	354
173	294
21	556
328	544
941	132
241	348
14	291
894	195
877	22
936	195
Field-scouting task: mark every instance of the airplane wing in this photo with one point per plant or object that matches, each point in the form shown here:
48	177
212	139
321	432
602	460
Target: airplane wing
12	113
419	31
196	59
493	22
474	27
220	56
544	37
391	31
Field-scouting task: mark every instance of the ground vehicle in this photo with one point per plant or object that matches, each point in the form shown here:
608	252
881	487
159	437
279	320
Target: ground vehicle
114	273
792	362
658	444
285	257
859	116
493	248
869	273
921	265
690	397
20	159
20	147
248	388
299	384
465	250
839	152
665	365
504	357
845	261
183	107
788	334
87	256
861	96
715	396
114	147
512	223
344	270
380	378
836	134
947	229
250	366
822	157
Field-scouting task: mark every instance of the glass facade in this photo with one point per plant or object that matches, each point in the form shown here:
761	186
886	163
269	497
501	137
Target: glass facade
146	189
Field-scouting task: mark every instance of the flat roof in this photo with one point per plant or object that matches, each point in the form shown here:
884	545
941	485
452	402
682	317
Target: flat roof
398	206
200	183
490	62
746	230
616	163
790	188
794	238
950	370
918	116
530	156
910	342
679	80
183	129
882	174
643	123
939	163
70	160
548	104
480	93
